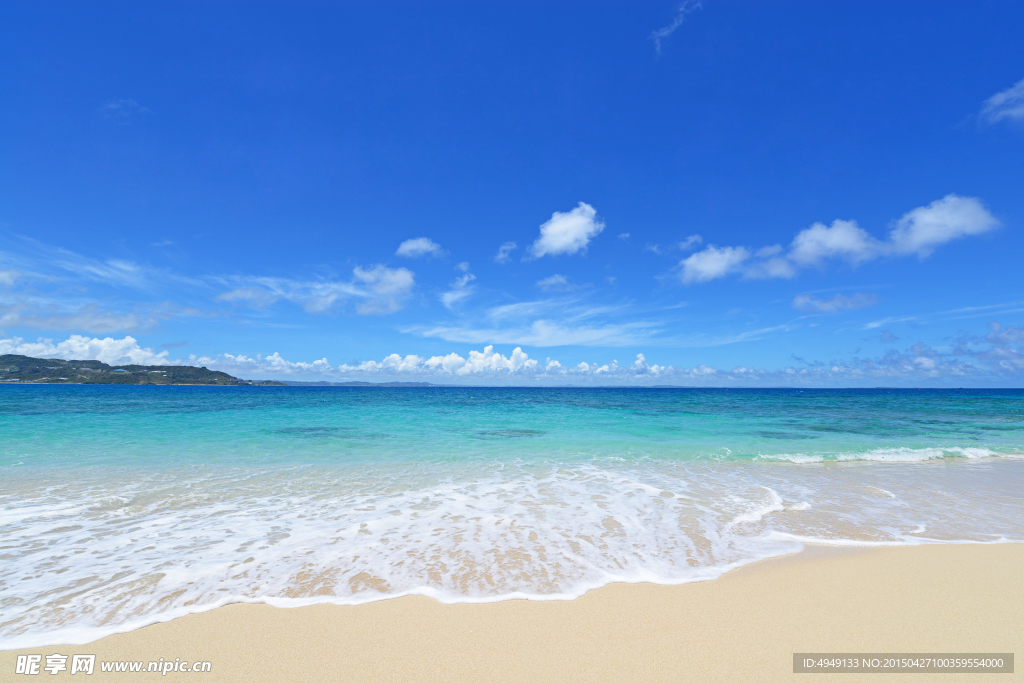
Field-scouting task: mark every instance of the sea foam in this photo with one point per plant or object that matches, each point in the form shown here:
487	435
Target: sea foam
136	548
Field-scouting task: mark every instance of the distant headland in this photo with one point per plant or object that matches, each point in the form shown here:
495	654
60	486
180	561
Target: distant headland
26	370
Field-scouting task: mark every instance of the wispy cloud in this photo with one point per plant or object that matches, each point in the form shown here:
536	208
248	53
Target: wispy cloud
89	318
116	272
687	7
504	251
555	283
123	111
459	290
840	302
875	324
377	290
1007	105
688	244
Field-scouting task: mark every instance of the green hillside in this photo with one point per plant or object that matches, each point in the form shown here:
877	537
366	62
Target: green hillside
23	369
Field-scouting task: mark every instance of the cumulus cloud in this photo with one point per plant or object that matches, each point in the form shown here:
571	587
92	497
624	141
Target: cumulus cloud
1007	105
77	347
713	262
242	366
997	356
840	302
7	277
486	362
567	233
919	231
922	230
843	239
420	246
503	252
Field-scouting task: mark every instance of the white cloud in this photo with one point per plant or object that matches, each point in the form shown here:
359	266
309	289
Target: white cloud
488	362
840	302
273	364
460	289
688	244
713	262
76	347
385	288
115	272
920	231
554	282
567	233
770	265
257	297
1007	105
7	277
995	357
377	290
503	252
624	236
691	242
844	239
420	246
885	321
464	266
89	317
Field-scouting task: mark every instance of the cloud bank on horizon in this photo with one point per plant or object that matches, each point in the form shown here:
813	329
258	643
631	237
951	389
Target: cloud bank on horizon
997	354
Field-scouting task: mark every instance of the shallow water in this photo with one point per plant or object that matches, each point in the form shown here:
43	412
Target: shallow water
124	505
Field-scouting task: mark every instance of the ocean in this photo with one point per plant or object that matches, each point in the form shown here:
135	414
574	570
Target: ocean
121	506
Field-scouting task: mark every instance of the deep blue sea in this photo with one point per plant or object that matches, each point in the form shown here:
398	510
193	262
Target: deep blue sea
121	506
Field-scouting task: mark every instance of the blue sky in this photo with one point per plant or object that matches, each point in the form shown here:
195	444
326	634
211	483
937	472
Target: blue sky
724	194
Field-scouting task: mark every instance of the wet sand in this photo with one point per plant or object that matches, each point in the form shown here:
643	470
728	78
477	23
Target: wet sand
744	626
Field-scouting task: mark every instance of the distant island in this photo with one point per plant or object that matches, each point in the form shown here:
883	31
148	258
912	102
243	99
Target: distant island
293	383
26	370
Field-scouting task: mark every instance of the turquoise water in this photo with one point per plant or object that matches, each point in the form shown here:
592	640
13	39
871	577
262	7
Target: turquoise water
124	505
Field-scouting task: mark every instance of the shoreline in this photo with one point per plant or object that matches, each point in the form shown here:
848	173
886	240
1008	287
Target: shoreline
744	625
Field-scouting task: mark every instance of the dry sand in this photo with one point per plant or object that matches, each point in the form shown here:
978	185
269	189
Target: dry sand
742	627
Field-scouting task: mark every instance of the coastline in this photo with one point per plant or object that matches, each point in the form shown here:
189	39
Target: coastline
744	626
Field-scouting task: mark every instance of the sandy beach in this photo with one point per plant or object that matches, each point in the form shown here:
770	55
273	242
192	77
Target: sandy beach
744	626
